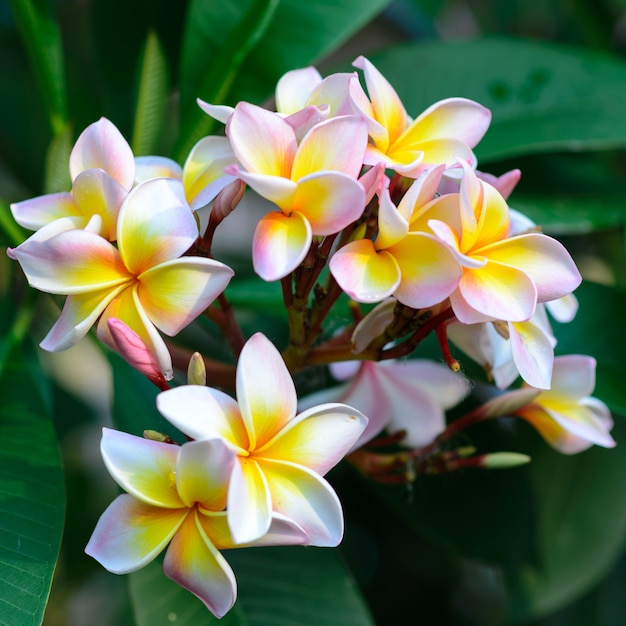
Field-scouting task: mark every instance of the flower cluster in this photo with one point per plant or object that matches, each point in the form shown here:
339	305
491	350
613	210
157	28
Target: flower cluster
369	203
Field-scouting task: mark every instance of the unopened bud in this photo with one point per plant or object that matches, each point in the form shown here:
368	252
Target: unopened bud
196	371
227	200
155	435
502	460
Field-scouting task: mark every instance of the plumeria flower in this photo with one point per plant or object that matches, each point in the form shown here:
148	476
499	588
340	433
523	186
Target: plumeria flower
414	266
446	130
176	495
281	456
503	277
409	395
145	281
565	415
313	182
102	169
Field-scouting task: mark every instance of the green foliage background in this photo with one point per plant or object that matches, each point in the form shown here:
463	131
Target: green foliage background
541	545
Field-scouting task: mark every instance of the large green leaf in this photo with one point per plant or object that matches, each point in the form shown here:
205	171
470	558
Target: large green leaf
277	587
543	97
32	497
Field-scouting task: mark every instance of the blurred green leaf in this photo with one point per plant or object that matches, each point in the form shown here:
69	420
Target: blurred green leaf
42	39
57	176
257	295
224	33
543	97
151	97
31	495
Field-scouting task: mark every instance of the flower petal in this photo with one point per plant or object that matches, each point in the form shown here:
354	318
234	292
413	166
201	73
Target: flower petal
71	262
265	390
262	141
280	244
147	167
276	189
574	375
318	438
130	534
155	224
363	273
430	273
101	145
336	145
174	293
306	498
204	413
144	468
37	212
293	89
194	563
532	353
329	201
249	505
203	471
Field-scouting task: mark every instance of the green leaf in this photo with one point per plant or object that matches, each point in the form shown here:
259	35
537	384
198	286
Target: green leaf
42	38
32	497
280	586
57	176
151	97
225	33
257	295
543	97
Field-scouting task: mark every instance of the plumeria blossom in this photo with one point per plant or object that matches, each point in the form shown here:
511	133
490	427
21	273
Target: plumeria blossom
409	396
566	415
281	456
447	130
415	267
102	170
313	181
145	282
503	277
175	495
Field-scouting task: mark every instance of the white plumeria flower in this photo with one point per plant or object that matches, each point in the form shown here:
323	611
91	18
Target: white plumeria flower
176	495
281	456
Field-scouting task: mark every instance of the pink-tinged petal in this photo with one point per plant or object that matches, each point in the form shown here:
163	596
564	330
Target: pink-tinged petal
434	152
505	183
463	119
563	309
37	212
130	534
280	244
101	145
330	201
317	438
96	193
144	468
265	390
147	167
430	273
282	532
360	104
293	89
497	291
249	505
335	145
305	119
342	370
574	375
373	181
219	112
393	224
532	353
203	471
420	193
509	403
134	350
306	498
204	413
263	141
543	259
203	173
79	314
363	273
71	262
174	293
387	106
155	224
278	190
407	162
580	420
373	325
194	563
334	91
